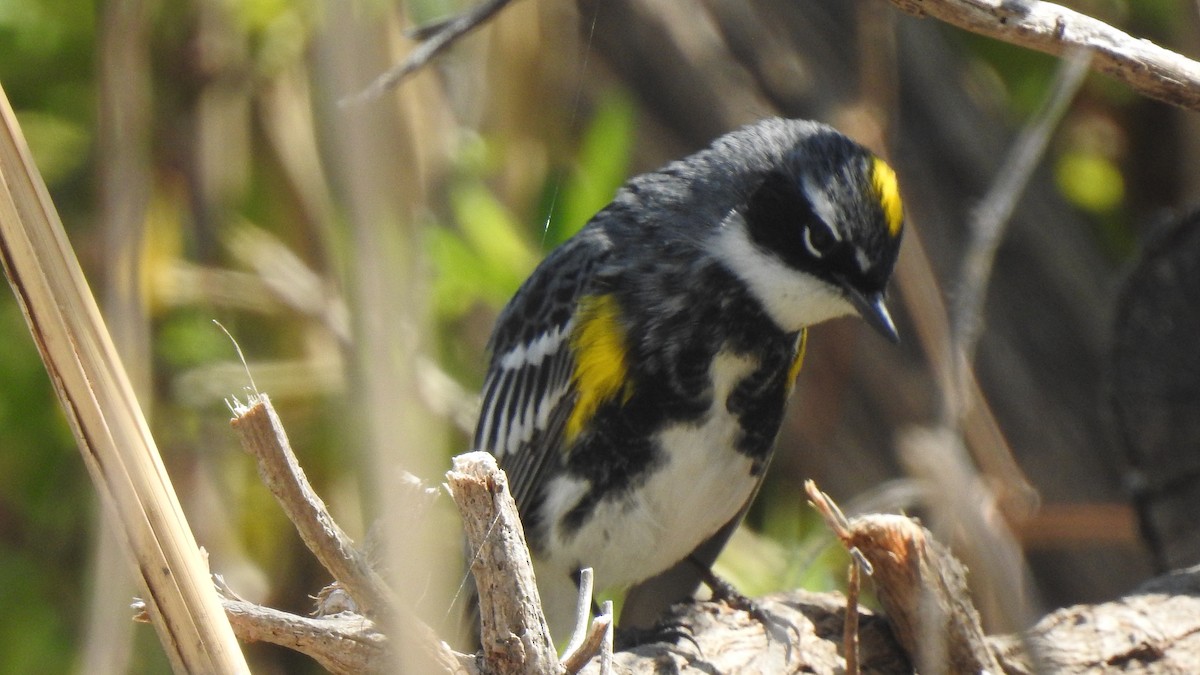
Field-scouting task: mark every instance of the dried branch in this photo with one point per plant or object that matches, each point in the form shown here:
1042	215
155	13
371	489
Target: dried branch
607	640
920	585
1154	629
345	643
263	436
596	641
435	39
1046	27
513	629
1042	26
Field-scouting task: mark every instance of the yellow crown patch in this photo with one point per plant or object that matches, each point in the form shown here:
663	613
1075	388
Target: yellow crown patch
883	178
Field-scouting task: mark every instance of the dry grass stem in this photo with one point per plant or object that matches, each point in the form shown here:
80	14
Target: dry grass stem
850	635
109	426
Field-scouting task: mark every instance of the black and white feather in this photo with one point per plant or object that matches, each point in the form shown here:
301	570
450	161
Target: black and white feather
528	393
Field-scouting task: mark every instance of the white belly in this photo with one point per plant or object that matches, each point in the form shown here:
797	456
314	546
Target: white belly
684	502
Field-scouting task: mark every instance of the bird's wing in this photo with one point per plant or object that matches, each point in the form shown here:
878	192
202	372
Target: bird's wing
528	393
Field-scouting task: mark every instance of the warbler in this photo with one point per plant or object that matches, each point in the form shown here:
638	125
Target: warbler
638	377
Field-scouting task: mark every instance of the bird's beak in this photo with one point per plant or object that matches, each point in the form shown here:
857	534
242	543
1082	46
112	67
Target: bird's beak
873	311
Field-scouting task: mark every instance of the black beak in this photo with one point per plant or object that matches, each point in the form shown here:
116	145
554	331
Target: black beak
873	311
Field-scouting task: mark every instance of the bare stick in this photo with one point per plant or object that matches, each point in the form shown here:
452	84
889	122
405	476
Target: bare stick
606	646
583	612
345	643
434	40
597	639
513	629
263	436
995	211
348	643
1046	27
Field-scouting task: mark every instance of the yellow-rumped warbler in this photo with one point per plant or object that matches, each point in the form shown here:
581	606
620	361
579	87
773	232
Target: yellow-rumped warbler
639	376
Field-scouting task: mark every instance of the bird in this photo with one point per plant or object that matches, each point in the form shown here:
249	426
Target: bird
638	378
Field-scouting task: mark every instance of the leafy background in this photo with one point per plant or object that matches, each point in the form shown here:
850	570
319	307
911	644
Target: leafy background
240	213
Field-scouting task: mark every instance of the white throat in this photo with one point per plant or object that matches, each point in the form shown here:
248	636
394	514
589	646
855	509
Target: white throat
792	298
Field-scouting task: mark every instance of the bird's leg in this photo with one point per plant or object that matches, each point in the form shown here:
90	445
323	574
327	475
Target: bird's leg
725	592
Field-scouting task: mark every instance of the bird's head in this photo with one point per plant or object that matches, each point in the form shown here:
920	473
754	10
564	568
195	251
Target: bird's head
819	236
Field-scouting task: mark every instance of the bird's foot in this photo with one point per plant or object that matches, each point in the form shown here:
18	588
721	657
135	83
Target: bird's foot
723	591
670	630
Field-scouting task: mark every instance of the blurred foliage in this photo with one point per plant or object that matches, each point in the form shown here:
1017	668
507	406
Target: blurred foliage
601	167
486	250
45	511
480	245
490	250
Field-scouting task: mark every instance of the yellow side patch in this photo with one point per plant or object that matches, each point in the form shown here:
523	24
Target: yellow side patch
598	343
888	192
798	361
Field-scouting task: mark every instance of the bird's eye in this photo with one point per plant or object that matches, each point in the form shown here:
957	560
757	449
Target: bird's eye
819	239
